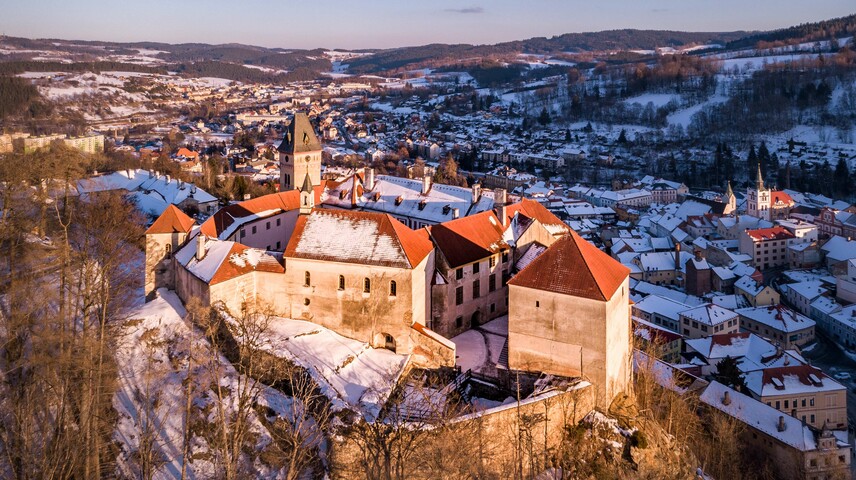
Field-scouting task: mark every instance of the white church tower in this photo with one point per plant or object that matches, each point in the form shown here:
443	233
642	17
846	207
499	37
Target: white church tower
299	154
758	198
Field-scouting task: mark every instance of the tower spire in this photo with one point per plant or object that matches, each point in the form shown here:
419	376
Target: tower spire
759	179
728	191
307	196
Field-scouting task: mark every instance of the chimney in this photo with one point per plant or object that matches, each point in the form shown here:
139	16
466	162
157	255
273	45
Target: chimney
370	179
726	399
166	179
697	253
456	213
200	247
677	256
476	192
781	426
426	184
500	200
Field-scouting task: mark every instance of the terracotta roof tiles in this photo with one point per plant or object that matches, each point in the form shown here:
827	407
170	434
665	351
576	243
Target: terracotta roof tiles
573	266
172	220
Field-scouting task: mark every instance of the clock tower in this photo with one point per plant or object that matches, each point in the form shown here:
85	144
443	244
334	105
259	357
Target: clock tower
299	154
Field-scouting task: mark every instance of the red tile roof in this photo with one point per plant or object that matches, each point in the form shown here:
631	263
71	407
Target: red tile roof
802	372
573	266
765	234
233	267
726	339
534	210
468	239
183	152
172	220
778	196
285	201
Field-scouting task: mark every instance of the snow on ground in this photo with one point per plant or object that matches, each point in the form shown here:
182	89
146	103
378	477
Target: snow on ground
152	357
479	349
658	99
351	373
685	116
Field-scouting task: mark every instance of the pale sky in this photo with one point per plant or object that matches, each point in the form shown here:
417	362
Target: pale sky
353	24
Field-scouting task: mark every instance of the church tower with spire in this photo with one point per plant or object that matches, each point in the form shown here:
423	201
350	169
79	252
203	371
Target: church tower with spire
730	200
299	154
758	198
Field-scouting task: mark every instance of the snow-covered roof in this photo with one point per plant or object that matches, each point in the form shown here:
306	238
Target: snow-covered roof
790	380
759	416
752	352
152	193
709	314
662	306
777	317
371	239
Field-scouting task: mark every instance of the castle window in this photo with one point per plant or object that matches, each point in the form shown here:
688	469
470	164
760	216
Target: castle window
476	289
476	267
504	257
459	273
278	221
459	322
491	285
341	282
392	288
367	285
243	233
278	245
168	250
306	301
459	296
537	304
306	279
254	229
492	261
267	226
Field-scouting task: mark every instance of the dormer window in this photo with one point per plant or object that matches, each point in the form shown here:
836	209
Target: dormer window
398	200
422	204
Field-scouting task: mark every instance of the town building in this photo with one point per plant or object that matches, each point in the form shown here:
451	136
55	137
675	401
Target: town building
778	323
707	319
767	246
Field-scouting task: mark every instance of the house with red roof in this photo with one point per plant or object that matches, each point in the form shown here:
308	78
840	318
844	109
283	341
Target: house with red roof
767	246
803	392
472	266
569	315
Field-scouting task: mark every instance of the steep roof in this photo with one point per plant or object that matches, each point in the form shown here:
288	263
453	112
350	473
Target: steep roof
468	239
300	136
172	220
224	223
371	239
225	260
779	196
573	266
536	211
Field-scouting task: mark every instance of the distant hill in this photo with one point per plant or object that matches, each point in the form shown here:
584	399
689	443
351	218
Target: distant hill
271	64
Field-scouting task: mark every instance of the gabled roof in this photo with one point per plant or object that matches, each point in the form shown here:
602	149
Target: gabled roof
536	211
573	266
224	223
468	239
778	196
300	136
225	260
172	220
370	239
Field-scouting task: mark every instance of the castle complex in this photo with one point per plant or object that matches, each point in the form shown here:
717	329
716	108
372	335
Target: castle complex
368	276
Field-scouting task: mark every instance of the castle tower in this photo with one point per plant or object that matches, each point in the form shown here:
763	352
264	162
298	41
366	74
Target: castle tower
758	198
299	154
163	239
307	196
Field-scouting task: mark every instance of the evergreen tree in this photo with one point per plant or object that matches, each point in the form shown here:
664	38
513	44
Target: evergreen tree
751	163
544	117
841	180
764	159
728	373
622	137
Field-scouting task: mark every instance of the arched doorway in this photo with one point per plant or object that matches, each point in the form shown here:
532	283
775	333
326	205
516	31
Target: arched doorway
386	341
475	320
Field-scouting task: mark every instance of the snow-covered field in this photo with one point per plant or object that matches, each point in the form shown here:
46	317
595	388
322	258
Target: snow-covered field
658	99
